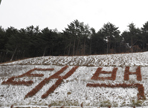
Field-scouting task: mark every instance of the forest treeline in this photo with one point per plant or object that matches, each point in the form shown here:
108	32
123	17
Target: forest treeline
76	39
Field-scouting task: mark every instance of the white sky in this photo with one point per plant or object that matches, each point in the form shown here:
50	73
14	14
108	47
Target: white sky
59	13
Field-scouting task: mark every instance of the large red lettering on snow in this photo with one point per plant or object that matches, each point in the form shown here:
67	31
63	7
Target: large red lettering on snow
59	78
137	73
27	74
43	82
140	87
46	80
98	72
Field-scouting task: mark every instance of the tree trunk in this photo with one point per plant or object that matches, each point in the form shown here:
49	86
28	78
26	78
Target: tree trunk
44	51
131	43
1	56
90	47
77	50
69	49
23	55
13	54
84	47
74	48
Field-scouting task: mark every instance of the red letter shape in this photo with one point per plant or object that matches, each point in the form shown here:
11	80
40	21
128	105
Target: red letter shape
10	80
98	72
53	87
140	87
127	73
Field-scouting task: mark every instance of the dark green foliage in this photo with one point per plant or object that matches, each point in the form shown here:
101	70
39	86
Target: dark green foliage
111	34
135	36
99	45
77	39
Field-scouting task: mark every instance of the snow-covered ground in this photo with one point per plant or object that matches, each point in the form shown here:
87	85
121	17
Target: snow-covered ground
118	60
73	90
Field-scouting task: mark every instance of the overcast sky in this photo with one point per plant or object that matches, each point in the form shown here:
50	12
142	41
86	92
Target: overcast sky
59	13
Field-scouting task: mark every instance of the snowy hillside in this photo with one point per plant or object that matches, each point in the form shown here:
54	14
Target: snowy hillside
119	60
96	80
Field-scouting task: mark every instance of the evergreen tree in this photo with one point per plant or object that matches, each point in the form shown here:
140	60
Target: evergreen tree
76	36
111	34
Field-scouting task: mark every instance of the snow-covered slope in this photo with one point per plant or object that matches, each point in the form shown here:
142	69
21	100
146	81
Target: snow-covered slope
70	79
119	60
